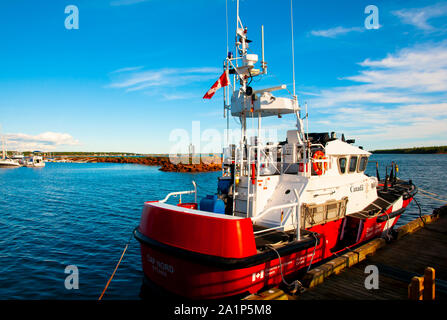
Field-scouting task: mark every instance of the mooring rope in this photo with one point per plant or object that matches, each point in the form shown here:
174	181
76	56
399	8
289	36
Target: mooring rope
420	211
313	254
426	194
296	284
116	268
433	194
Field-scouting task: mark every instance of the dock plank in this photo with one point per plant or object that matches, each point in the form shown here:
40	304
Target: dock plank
397	263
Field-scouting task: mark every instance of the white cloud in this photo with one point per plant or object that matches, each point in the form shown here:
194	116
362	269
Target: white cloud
404	126
180	96
165	77
413	75
425	81
334	32
419	17
415	131
422	69
128	69
400	98
46	141
424	57
359	95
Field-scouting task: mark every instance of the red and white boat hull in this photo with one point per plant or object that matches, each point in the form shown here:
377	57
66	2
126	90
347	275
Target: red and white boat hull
202	255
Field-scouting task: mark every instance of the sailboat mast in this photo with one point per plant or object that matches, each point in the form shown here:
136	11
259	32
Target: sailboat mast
3	148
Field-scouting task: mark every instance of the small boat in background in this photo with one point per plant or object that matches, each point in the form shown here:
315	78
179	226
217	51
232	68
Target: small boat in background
6	162
34	161
18	156
9	163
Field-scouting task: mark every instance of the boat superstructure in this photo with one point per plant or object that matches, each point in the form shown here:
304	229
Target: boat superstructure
279	207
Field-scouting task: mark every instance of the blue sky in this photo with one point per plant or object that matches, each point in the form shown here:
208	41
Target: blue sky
135	70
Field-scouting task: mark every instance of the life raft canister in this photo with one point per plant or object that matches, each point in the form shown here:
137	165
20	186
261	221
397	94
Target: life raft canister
318	166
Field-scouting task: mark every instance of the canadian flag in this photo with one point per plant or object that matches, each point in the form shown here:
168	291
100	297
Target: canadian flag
259	275
223	81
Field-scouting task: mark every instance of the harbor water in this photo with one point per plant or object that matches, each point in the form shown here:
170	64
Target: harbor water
83	215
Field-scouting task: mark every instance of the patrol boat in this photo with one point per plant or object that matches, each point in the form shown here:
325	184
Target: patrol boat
279	208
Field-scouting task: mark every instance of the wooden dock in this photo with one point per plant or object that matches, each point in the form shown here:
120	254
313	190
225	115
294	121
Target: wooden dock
418	245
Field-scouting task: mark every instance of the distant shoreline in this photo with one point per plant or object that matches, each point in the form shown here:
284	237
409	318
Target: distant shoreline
418	150
154	157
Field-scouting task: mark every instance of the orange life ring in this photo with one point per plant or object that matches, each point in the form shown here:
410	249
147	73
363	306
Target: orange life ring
318	166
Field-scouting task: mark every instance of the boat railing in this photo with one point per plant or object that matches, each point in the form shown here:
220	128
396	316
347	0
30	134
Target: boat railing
271	158
254	158
180	193
264	158
295	206
267	156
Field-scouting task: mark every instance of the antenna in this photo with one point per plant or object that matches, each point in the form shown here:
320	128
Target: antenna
226	90
226	17
307	123
293	48
263	64
237	26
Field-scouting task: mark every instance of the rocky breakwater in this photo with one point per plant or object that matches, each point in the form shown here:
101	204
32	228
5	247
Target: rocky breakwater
201	167
206	165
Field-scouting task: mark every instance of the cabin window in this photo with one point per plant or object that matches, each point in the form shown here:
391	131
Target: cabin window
342	165
363	163
353	164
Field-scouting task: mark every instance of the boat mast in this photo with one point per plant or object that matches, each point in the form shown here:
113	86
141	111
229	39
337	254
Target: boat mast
241	66
3	143
241	49
226	92
299	122
3	148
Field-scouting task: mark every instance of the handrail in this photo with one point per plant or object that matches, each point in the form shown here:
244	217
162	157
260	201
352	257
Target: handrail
195	190
289	205
298	216
283	206
180	193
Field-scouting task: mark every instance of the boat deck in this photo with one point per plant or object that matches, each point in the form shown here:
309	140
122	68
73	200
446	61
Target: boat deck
277	238
385	198
397	263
